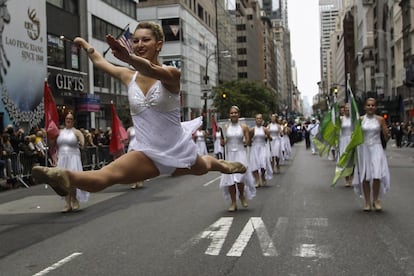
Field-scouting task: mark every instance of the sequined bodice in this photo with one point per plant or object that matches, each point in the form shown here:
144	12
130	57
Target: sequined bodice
218	134
158	98
274	130
371	129
67	141
200	136
234	137
259	137
346	126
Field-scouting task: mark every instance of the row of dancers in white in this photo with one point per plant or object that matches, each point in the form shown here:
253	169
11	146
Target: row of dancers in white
261	149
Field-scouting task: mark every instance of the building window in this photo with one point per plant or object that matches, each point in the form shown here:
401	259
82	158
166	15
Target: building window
101	79
100	28
241	27
242	75
74	56
200	12
241	51
242	63
171	28
241	39
55	51
128	7
70	6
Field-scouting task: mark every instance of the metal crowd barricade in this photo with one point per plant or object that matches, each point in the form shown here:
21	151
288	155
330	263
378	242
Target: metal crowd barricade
95	157
19	168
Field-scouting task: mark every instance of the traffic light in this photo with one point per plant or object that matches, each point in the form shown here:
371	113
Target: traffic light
224	96
385	116
335	90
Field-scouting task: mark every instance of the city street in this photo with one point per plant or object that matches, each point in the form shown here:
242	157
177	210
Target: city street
296	225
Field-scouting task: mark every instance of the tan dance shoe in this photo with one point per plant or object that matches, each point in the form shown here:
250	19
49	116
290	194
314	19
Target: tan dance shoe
55	177
377	206
233	167
243	201
232	208
138	184
367	207
67	209
75	205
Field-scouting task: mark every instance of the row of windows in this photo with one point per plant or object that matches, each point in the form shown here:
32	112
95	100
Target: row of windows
100	28
128	7
57	54
70	6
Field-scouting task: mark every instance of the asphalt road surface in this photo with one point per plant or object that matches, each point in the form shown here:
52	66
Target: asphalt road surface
296	225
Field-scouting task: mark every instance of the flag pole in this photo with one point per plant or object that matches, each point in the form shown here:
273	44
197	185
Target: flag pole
119	35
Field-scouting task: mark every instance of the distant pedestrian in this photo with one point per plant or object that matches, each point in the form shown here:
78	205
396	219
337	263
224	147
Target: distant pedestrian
313	129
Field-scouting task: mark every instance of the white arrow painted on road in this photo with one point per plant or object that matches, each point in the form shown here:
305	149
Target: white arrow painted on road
266	244
217	233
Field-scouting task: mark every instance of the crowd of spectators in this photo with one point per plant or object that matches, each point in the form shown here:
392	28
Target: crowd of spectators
33	146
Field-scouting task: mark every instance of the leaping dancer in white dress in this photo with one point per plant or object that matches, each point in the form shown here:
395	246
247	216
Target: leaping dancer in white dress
163	144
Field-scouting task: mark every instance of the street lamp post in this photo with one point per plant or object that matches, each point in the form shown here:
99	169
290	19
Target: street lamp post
206	79
206	90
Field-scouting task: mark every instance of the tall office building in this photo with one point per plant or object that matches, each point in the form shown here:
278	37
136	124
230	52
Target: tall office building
328	12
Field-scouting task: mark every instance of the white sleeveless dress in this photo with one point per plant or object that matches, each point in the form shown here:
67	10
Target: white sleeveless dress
276	143
345	134
259	153
159	133
235	151
218	148
69	156
201	143
372	161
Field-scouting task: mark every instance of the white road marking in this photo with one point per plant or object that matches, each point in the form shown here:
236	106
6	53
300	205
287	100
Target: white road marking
211	181
266	244
217	233
280	230
312	227
307	229
58	264
311	251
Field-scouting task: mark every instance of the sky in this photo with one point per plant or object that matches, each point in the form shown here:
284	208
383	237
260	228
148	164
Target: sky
303	20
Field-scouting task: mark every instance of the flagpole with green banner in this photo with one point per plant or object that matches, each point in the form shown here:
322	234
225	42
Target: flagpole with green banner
328	135
347	161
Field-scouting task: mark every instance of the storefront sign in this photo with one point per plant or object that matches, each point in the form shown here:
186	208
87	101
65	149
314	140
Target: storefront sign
23	52
88	103
69	82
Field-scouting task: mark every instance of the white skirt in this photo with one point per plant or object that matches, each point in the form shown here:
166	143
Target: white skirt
372	164
245	178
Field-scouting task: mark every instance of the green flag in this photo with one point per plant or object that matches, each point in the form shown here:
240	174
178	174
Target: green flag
328	135
347	161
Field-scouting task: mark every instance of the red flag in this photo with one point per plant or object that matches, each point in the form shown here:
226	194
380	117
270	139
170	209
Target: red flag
51	113
214	126
119	134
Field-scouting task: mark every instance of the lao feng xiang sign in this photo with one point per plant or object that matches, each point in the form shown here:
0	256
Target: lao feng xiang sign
23	61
